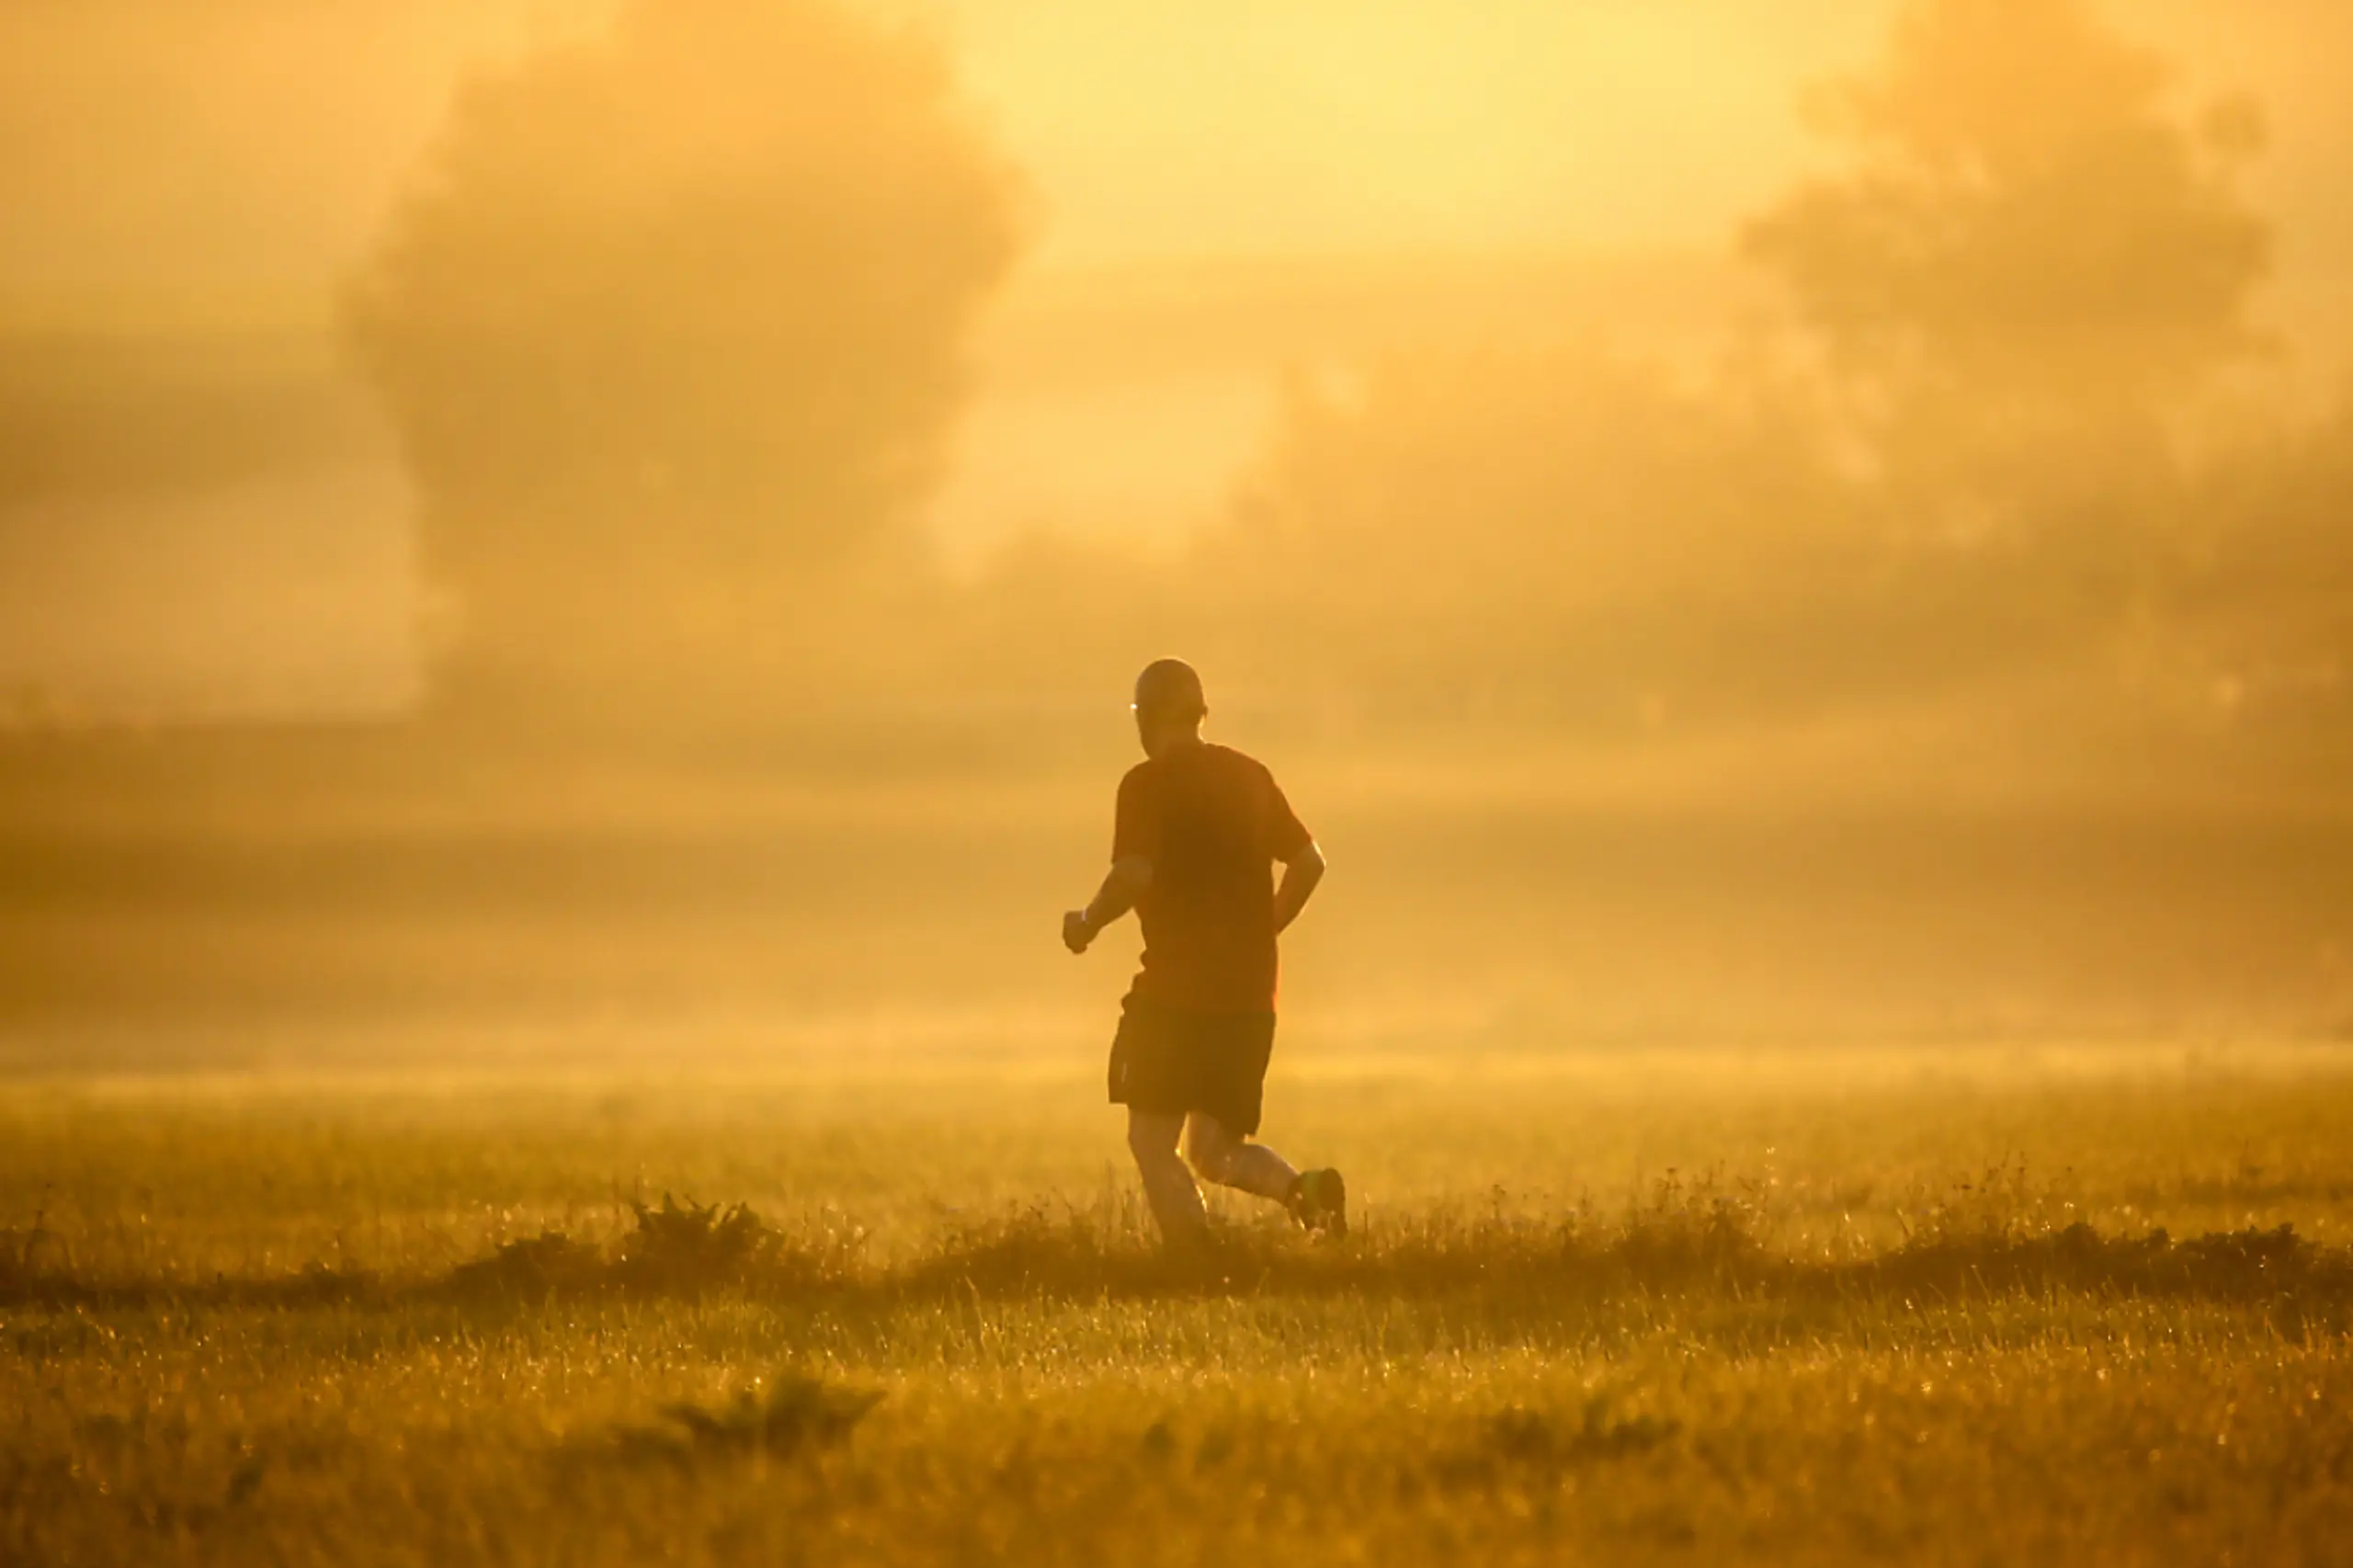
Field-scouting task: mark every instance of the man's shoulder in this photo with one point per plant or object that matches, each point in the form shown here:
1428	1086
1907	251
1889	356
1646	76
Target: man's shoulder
1247	771
1239	761
1140	786
1207	765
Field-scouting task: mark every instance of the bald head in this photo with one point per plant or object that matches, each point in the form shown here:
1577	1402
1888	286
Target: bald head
1170	704
1170	685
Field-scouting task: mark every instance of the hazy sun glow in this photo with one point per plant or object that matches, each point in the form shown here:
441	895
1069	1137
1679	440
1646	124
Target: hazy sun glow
592	968
1511	401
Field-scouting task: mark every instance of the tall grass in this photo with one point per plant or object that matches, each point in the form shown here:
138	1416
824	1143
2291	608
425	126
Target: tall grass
1838	1352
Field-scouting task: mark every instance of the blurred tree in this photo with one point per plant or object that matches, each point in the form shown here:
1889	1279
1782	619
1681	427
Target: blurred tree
1545	534
2266	595
2029	265
2027	275
673	327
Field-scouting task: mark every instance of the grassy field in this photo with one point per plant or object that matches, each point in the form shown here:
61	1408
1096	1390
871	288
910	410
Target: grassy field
1689	1306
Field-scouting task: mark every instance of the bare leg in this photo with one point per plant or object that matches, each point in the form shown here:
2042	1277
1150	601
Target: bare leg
1167	1185
1219	1157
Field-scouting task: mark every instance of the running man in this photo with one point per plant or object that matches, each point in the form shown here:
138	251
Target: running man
1197	830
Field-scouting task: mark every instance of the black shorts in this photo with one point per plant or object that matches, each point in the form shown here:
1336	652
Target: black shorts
1167	1061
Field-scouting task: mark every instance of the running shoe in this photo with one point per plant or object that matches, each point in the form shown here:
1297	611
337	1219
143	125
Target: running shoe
1320	1202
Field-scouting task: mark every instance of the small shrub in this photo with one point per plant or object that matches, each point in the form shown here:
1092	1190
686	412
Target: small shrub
1522	1441
798	1415
690	1248
1686	1233
531	1269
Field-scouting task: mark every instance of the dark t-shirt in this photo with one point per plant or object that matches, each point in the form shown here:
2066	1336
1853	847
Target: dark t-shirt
1213	823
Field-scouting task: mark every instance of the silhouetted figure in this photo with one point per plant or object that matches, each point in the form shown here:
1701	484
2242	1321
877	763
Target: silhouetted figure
1197	831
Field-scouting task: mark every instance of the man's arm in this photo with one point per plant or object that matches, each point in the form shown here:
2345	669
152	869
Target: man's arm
1130	880
1301	875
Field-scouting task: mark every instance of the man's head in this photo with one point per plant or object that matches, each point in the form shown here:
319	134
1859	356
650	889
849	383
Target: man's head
1169	705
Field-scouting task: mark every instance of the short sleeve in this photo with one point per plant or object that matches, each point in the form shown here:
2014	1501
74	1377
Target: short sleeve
1135	826
1287	834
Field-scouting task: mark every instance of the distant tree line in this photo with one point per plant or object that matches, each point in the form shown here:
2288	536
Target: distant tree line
1975	463
673	328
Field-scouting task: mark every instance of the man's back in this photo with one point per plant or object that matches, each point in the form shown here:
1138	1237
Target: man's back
1212	822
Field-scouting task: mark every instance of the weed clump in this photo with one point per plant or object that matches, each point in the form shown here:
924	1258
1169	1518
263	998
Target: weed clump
1545	1445
1689	1234
690	1248
1039	1250
2247	1264
676	1249
798	1415
22	1265
531	1269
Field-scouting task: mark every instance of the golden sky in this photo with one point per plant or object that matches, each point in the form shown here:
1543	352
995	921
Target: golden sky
226	159
254	143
